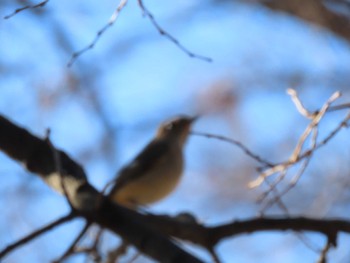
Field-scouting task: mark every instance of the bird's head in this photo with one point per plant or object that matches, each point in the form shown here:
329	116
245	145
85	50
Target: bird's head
176	129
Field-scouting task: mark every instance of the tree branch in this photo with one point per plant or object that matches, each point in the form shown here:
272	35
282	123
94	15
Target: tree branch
164	33
313	11
36	233
72	247
110	23
18	10
238	144
210	236
87	202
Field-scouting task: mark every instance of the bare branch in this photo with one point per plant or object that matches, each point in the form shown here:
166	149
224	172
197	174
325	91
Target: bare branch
298	104
316	12
295	156
238	144
210	236
303	111
117	252
110	23
88	203
323	256
137	254
37	233
315	121
112	20
72	247
276	195
214	255
164	33
298	155
293	182
291	185
339	107
92	250
18	10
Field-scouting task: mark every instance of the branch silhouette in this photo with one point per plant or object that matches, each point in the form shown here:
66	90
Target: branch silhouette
18	10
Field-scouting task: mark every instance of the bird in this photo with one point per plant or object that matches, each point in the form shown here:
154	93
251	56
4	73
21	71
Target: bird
156	171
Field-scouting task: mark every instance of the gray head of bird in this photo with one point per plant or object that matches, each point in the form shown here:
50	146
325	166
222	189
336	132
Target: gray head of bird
177	129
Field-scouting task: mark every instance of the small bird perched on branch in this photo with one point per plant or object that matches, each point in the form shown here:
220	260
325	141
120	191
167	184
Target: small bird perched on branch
157	169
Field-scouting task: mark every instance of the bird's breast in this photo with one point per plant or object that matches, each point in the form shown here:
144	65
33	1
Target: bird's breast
157	182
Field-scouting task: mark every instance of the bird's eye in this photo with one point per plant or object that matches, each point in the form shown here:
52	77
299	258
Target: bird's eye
169	126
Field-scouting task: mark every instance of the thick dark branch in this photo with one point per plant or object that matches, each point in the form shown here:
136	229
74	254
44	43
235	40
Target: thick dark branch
87	202
313	11
330	227
148	233
136	230
208	237
37	156
34	153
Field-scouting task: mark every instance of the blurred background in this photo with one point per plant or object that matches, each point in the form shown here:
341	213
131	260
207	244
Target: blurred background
105	107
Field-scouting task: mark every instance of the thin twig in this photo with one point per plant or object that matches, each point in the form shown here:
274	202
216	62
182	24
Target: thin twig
272	186
298	104
238	144
341	125
315	121
18	10
303	111
214	255
323	255
110	23
97	241
307	154
304	165
276	196
278	168
295	156
164	33
36	233
277	199
134	257
294	180
339	107
72	247
114	254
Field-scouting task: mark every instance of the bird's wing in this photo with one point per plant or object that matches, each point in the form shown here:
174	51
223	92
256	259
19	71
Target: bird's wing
144	161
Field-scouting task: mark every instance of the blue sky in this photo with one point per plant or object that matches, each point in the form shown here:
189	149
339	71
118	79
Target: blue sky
137	78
